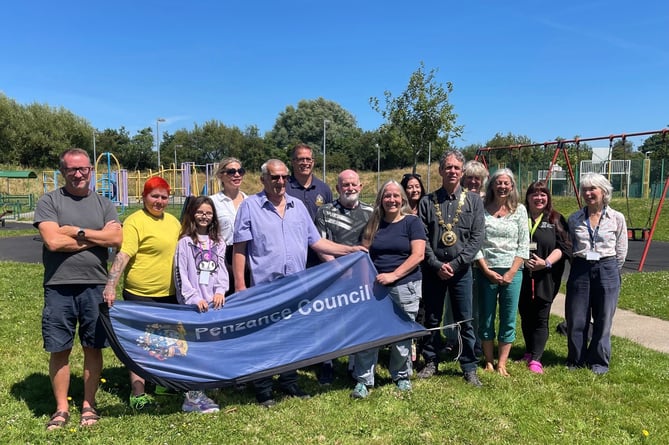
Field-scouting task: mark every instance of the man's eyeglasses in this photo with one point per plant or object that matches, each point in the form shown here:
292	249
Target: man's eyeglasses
233	171
277	177
411	175
73	170
307	160
207	214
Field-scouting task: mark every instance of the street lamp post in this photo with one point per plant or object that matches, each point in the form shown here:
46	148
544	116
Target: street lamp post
378	167
158	121
325	122
176	167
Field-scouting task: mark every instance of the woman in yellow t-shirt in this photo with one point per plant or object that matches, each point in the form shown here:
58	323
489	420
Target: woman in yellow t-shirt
146	260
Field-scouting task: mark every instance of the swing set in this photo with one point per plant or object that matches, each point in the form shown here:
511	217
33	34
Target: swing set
634	233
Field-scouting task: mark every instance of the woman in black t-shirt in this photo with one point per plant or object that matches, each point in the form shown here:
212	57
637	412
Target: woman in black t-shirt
549	247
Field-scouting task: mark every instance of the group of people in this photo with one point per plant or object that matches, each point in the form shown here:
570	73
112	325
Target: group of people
470	247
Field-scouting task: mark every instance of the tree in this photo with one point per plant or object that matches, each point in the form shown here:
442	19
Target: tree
421	113
656	147
307	123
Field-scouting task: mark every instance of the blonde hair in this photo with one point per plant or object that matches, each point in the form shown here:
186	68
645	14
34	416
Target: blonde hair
379	213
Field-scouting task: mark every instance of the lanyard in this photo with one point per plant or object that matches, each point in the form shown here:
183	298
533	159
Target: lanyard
593	234
533	228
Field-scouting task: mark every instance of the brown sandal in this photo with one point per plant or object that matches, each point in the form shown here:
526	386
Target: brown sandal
89	416
54	424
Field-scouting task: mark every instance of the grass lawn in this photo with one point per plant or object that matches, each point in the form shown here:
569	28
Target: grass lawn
626	406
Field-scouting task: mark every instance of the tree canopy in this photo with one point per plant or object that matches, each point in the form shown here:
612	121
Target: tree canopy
421	114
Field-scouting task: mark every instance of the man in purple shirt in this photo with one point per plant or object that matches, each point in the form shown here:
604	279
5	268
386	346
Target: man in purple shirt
273	231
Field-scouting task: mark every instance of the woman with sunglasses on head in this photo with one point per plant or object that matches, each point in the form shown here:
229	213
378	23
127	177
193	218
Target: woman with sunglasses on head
230	173
414	189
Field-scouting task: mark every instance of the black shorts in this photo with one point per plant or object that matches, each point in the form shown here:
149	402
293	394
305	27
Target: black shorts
64	307
170	299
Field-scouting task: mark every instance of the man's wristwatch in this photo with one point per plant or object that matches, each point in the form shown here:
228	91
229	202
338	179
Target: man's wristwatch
81	234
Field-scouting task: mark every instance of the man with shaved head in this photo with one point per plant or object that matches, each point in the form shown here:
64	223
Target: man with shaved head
342	221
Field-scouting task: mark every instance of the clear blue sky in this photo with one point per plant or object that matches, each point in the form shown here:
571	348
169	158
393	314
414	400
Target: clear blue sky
535	68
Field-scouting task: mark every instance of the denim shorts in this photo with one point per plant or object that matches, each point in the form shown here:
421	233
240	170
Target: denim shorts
64	307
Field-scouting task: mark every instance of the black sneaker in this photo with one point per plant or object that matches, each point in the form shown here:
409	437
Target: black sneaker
472	378
326	376
295	391
265	400
428	370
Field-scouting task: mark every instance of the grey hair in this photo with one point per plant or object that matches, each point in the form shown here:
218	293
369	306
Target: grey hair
476	169
72	152
596	180
264	167
458	155
514	196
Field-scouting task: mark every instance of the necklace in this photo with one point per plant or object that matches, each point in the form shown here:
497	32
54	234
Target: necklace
449	237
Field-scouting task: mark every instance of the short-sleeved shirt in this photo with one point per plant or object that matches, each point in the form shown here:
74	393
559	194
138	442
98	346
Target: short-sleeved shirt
391	246
548	236
315	196
506	238
276	246
150	242
226	213
89	212
341	224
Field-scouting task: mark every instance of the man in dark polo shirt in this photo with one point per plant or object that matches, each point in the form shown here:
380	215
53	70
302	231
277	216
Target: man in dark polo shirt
304	186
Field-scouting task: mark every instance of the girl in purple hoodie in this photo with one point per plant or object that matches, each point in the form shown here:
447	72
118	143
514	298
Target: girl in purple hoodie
201	277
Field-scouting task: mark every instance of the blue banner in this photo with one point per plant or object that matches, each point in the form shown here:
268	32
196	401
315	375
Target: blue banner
327	311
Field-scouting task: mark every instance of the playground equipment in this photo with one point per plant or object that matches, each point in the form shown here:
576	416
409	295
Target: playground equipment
608	167
111	183
11	204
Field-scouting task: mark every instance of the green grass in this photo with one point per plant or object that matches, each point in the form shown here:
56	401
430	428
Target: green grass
559	407
646	294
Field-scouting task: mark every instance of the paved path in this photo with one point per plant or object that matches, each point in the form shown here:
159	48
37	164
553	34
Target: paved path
650	332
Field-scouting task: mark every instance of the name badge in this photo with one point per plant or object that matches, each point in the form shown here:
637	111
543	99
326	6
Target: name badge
533	246
592	256
204	277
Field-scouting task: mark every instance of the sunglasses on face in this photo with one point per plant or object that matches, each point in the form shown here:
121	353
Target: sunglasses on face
234	171
277	177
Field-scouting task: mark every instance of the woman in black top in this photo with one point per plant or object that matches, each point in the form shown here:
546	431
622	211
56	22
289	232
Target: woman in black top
549	247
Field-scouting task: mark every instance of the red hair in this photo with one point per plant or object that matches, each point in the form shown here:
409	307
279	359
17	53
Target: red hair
155	182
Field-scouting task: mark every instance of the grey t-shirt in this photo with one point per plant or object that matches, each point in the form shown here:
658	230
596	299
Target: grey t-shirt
90	212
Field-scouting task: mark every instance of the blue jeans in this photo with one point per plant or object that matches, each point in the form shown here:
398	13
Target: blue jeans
593	289
489	295
459	291
407	296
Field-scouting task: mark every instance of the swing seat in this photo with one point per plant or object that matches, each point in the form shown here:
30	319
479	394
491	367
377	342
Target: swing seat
638	233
